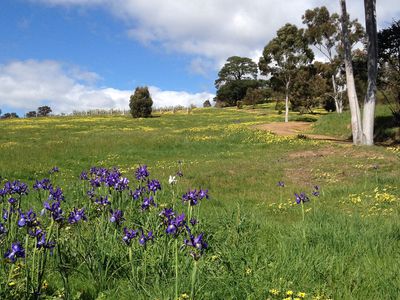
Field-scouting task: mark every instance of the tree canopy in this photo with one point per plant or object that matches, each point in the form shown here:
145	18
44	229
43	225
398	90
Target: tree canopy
284	55
236	68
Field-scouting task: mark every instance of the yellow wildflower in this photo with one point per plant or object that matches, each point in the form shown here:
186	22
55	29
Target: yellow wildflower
274	292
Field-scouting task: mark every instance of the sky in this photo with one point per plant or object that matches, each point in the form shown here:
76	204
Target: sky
92	54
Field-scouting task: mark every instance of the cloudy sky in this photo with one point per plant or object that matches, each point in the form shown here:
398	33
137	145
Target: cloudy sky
86	54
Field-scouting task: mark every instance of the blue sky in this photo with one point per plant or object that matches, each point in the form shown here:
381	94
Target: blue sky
84	54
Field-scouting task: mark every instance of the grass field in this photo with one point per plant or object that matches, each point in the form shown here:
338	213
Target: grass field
342	244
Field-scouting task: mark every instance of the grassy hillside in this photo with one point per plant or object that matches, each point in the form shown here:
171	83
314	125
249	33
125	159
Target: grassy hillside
342	244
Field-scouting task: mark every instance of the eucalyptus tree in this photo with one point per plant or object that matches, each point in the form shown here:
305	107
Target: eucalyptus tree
324	33
283	56
362	132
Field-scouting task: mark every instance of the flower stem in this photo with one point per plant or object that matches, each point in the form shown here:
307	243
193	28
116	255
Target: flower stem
176	269
194	273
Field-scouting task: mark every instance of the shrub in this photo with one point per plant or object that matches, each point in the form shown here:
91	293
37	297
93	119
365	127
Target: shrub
141	103
207	103
239	104
280	105
31	114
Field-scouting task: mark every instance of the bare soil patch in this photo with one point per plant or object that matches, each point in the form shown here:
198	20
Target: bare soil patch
296	128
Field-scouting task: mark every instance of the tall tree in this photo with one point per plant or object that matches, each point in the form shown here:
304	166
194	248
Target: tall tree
370	98
363	133
235	77
351	88
43	111
284	55
324	33
236	68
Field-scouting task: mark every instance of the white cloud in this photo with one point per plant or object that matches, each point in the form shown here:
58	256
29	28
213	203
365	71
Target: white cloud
26	85
214	30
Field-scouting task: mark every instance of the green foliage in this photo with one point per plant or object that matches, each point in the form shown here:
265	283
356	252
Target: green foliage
256	96
389	67
31	114
12	115
43	111
236	68
235	90
235	77
141	103
239	104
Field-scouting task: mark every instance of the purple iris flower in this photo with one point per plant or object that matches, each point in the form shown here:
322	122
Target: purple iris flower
302	198
142	173
95	182
176	224
167	214
56	194
280	184
16	251
129	234
76	215
147	202
3	229
5	214
143	239
198	243
54	170
316	191
28	219
56	211
137	193
117	216
42	243
15	187
194	196
102	201
12	200
43	184
153	185
84	175
121	184
193	221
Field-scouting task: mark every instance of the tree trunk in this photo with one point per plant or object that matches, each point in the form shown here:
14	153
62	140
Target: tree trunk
351	88
370	97
336	98
287	102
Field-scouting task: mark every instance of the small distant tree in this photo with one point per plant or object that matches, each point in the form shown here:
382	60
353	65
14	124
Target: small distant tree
43	111
141	103
207	103
9	115
31	114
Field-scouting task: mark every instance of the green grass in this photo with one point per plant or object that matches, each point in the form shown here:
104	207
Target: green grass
344	249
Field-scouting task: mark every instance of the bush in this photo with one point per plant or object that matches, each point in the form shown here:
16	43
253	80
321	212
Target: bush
141	103
31	114
280	105
239	104
207	103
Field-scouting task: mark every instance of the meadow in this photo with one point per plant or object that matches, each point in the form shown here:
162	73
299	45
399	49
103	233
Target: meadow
285	218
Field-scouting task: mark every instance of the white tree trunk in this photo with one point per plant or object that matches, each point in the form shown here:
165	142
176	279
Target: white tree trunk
351	88
338	100
370	97
287	102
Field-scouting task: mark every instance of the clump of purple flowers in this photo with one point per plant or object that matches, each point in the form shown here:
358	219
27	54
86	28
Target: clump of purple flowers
15	187
193	197
301	198
142	173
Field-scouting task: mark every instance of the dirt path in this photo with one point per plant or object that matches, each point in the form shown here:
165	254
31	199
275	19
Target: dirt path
296	128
